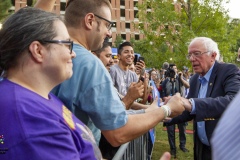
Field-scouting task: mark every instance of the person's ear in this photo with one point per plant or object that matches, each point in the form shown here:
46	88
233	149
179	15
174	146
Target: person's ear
213	55
89	18
36	49
118	56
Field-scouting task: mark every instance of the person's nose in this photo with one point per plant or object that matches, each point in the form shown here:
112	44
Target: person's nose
73	54
109	34
111	61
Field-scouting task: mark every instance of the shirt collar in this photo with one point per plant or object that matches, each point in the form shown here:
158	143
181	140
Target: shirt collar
207	75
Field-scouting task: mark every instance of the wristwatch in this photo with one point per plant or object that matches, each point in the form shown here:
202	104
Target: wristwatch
190	101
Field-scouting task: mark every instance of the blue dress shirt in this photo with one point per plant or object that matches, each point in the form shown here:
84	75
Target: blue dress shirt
202	94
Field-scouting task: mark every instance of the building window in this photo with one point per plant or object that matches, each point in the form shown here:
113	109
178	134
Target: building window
122	2
127	25
136	36
122	14
123	36
135	13
62	6
135	3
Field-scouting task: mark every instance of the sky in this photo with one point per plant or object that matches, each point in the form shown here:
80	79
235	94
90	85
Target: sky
234	8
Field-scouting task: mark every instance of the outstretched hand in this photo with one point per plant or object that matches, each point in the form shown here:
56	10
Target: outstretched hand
176	105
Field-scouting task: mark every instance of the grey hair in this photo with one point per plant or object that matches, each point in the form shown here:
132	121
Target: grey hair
20	30
209	44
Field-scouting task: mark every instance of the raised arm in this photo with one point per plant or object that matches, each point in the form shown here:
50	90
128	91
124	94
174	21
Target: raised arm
46	5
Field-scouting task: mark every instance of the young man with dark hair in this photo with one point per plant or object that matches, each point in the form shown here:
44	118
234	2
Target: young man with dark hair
121	75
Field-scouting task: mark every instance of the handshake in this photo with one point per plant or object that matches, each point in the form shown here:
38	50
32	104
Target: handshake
175	105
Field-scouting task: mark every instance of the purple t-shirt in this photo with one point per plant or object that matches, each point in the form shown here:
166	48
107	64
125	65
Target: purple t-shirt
32	127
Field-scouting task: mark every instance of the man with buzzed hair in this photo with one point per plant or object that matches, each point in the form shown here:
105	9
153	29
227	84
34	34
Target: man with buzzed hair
90	93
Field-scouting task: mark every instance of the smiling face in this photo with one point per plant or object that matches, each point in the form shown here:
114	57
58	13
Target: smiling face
58	62
126	56
204	62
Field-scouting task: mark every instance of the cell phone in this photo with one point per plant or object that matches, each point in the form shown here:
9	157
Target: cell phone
135	59
140	58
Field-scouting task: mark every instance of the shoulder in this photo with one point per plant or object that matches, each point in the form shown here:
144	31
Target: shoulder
133	73
114	68
226	69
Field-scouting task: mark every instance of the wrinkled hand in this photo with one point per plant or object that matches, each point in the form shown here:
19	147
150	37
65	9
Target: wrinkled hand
135	90
166	99
176	105
187	104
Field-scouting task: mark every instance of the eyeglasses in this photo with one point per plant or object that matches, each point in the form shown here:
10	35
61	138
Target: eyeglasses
196	54
109	26
68	43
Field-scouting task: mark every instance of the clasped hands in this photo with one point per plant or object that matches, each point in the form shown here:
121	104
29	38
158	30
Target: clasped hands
177	105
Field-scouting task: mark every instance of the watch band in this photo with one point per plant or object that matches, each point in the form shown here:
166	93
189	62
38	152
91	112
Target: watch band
191	101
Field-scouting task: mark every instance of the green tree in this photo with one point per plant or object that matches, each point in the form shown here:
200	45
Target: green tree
170	27
118	41
4	6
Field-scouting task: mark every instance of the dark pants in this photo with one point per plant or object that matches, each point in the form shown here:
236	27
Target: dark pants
202	151
171	135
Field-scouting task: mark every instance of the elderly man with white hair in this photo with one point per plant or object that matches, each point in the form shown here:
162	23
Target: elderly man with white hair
212	88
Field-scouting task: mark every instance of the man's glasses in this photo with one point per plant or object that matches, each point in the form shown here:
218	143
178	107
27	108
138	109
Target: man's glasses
68	43
196	54
110	24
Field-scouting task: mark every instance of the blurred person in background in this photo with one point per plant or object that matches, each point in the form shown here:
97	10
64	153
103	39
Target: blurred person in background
115	59
173	83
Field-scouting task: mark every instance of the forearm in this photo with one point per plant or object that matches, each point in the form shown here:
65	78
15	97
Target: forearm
128	101
46	5
138	106
185	83
136	126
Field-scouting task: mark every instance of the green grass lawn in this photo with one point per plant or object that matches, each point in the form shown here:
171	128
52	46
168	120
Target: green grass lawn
161	144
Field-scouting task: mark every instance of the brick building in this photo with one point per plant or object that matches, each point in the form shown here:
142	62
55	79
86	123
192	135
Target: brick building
123	15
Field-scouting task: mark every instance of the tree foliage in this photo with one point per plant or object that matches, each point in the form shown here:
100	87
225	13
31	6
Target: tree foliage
4	6
118	41
169	27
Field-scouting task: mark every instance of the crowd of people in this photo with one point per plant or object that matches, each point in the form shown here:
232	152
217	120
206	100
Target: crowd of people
64	96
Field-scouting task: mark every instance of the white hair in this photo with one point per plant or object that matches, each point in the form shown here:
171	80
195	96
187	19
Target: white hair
209	44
